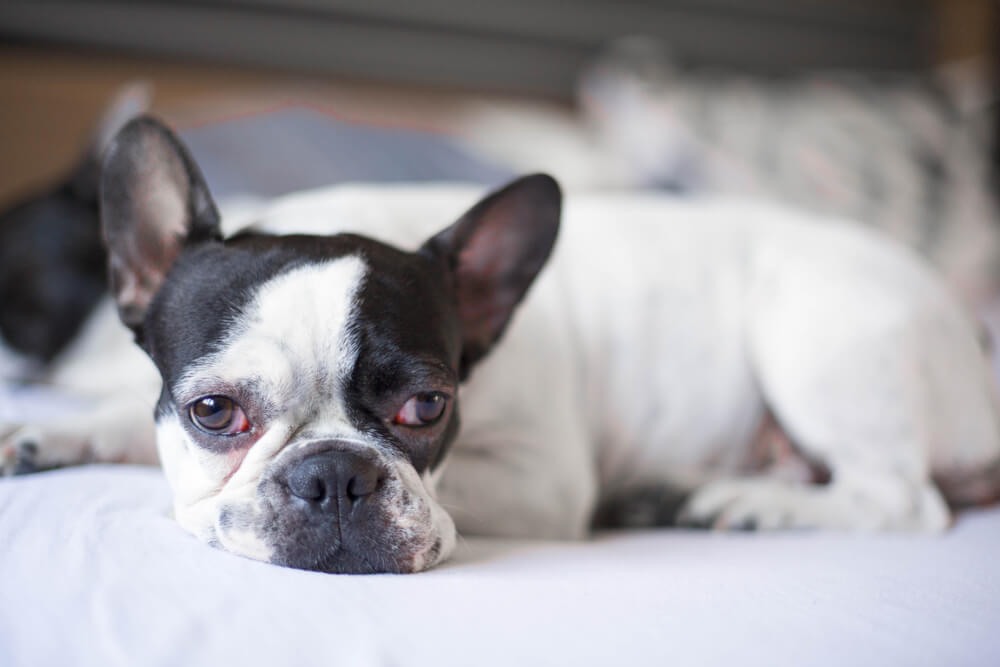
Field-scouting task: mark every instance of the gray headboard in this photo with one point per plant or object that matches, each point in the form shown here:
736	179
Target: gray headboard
532	46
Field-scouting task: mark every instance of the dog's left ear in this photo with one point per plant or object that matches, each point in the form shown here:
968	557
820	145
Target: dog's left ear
494	252
154	203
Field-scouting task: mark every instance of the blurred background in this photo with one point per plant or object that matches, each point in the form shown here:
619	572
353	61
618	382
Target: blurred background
881	111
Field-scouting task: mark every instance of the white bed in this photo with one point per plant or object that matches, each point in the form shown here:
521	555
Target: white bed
96	573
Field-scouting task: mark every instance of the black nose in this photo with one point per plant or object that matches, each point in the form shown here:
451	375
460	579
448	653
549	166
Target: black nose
333	480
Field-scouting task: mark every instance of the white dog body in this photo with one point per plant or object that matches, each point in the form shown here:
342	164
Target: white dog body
659	338
651	348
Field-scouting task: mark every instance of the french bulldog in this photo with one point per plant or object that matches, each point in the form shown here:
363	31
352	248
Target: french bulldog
348	381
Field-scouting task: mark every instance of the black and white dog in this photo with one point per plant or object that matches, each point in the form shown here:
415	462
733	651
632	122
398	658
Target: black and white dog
770	370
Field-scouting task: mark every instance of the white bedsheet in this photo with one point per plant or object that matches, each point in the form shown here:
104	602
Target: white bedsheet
95	573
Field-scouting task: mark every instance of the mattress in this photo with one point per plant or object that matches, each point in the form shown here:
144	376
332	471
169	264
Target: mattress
96	573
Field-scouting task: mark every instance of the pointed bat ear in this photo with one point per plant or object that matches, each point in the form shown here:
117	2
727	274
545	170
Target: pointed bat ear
154	203
494	252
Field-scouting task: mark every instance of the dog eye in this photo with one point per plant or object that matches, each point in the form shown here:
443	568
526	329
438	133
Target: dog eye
219	415
423	409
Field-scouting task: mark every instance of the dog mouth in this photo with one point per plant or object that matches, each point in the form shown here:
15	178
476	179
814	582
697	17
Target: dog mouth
363	556
373	560
328	509
387	540
356	552
342	561
333	551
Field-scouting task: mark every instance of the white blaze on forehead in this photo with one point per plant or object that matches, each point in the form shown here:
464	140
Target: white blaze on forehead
291	346
293	339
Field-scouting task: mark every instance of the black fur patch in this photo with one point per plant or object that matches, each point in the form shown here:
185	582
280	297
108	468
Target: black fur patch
52	269
409	341
649	506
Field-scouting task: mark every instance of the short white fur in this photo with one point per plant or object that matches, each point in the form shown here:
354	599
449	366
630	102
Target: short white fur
648	352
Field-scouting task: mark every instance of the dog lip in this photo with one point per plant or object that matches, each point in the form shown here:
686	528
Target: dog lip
327	562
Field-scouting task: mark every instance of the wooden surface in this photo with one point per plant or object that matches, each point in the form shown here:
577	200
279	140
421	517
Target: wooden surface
51	98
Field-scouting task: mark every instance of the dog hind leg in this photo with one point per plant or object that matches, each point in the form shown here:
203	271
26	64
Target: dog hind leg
876	400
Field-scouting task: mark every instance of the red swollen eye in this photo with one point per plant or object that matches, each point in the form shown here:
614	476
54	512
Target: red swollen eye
219	415
423	409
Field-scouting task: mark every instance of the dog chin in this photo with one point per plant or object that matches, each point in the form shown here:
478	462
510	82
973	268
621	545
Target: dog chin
343	561
357	558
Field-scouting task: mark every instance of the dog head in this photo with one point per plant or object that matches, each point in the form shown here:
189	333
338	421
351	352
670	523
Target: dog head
310	383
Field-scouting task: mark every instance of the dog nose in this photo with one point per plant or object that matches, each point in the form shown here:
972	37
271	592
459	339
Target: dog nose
333	480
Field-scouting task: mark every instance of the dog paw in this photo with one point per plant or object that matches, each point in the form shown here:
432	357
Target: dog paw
19	452
27	449
875	502
748	505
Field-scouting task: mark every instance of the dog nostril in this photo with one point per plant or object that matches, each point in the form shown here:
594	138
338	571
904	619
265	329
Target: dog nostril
315	489
363	484
305	482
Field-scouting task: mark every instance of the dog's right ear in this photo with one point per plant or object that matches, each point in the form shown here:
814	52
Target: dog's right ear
493	253
154	203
